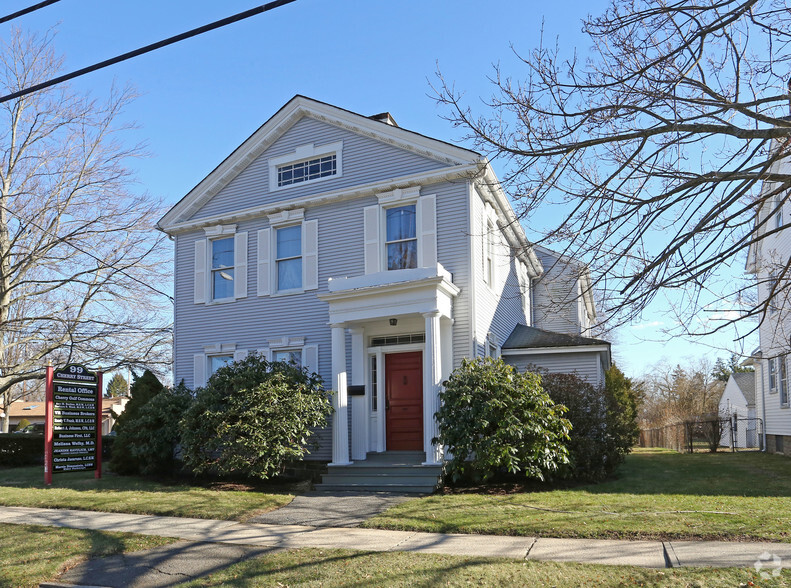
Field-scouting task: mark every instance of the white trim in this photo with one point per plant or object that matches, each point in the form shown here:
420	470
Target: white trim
219	230
305	153
286	117
340	195
399	197
540	350
283	218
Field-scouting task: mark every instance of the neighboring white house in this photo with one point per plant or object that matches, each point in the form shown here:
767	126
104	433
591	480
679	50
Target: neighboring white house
375	256
737	404
766	260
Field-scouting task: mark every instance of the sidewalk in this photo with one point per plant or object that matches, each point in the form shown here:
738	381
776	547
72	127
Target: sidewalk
651	554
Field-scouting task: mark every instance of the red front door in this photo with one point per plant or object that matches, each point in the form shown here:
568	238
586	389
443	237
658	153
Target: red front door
404	406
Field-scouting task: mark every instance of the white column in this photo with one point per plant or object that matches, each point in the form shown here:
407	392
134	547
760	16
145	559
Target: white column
340	419
432	379
359	404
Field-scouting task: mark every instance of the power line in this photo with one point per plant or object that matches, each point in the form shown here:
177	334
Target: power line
148	48
102	261
27	10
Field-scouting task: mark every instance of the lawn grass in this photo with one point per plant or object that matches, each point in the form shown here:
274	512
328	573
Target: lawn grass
30	554
337	567
658	494
130	494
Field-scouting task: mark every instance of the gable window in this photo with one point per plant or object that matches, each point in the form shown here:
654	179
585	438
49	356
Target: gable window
289	257
307	163
401	237
222	268
302	171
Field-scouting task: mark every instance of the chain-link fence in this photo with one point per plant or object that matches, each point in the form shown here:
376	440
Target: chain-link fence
707	434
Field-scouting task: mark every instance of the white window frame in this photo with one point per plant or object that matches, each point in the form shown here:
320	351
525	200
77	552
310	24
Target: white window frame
375	228
202	361
204	272
778	214
212	270
267	255
385	242
276	260
772	374
783	381
307	351
306	153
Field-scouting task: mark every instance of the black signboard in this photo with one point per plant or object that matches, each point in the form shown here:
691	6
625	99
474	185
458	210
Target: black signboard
75	422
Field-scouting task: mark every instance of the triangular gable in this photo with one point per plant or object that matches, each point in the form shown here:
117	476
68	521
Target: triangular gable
297	108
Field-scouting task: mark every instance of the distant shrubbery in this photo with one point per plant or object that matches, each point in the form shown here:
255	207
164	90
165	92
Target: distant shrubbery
494	420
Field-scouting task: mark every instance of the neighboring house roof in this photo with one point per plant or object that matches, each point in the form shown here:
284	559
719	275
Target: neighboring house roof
746	383
27	409
531	337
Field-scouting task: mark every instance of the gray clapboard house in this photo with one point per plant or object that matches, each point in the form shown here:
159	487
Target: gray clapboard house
373	255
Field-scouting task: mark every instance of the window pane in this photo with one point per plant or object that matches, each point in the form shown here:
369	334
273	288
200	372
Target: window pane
222	283
218	361
222	253
402	255
288	356
289	242
401	223
289	274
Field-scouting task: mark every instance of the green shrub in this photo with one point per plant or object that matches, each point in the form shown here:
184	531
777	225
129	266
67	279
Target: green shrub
603	422
252	417
495	419
22	424
146	444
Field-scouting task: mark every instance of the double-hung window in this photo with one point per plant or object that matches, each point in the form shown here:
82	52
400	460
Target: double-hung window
783	380
218	361
289	258
288	356
401	237
773	375
222	268
778	205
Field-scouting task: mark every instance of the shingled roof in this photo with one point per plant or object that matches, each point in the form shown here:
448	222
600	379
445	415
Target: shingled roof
530	337
746	383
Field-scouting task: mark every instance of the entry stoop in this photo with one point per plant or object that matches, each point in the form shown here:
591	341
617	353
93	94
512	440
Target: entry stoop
391	471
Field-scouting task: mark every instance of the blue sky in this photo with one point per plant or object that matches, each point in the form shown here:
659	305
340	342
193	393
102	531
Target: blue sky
201	98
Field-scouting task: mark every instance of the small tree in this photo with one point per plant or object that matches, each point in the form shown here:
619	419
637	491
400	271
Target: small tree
126	459
623	400
495	419
252	417
117	386
22	424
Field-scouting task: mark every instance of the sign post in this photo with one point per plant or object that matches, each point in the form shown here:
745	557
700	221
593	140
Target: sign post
74	419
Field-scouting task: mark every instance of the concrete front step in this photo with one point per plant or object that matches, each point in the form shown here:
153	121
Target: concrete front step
391	471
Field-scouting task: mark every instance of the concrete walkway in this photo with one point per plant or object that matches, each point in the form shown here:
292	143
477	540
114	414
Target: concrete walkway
651	554
321	508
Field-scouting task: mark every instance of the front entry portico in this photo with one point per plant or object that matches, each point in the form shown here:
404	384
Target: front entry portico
401	381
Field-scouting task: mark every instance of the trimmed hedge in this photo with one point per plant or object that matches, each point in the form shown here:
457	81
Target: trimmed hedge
21	449
28	449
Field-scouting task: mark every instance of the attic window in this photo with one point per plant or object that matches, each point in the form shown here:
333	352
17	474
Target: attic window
303	171
307	163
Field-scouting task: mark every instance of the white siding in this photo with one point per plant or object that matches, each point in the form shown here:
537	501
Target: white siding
558	305
365	160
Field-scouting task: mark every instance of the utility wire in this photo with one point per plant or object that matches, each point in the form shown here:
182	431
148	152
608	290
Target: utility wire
27	10
148	48
102	261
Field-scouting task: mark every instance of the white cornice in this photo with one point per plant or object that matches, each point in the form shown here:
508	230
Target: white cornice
405	182
540	350
286	117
